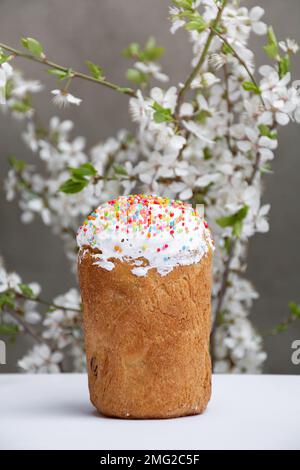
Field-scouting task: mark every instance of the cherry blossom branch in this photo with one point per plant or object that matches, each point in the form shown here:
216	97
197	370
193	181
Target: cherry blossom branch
202	58
226	272
16	315
28	187
162	180
241	61
233	242
288	321
229	109
255	169
48	304
67	70
256	165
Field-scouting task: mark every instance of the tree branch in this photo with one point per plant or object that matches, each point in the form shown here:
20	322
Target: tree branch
241	61
229	110
45	61
223	287
255	169
202	58
16	315
48	304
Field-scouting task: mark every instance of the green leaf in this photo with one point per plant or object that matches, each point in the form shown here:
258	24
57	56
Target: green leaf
207	153
151	52
124	89
162	114
60	74
79	180
6	329
235	221
271	51
266	168
7	300
86	169
96	70
18	165
201	116
271	48
136	76
284	66
197	23
281	328
237	228
20	107
5	58
120	170
185	4
72	185
250	86
221	318
266	132
271	36
27	291
227	49
198	198
227	244
33	45
132	51
230	220
294	309
9	88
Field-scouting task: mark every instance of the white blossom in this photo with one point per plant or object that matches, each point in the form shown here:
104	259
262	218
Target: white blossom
280	101
176	21
290	46
166	99
41	360
255	16
205	80
217	60
152	69
138	108
5	73
22	87
62	98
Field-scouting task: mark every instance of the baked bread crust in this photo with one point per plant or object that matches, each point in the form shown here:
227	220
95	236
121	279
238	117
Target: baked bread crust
147	338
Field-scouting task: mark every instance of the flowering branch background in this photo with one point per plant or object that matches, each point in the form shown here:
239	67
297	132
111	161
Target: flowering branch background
224	107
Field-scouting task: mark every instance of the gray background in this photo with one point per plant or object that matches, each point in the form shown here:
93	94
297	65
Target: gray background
75	30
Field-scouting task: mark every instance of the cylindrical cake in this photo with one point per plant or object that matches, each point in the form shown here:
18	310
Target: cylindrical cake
145	277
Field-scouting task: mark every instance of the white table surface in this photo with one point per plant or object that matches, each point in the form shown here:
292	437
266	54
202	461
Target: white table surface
54	412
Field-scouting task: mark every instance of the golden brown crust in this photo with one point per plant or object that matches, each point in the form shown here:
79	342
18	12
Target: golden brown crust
147	339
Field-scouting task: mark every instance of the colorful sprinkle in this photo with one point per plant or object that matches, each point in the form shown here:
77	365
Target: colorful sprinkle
155	228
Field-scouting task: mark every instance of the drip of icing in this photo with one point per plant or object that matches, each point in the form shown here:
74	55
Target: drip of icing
164	232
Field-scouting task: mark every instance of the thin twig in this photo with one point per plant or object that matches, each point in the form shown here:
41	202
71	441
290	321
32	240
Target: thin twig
27	185
241	61
223	287
16	316
282	327
74	73
255	169
48	304
229	109
201	60
162	180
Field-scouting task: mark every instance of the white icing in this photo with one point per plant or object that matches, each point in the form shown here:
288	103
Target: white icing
164	233
108	265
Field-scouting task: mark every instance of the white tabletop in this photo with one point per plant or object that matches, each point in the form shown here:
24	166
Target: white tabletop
54	412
